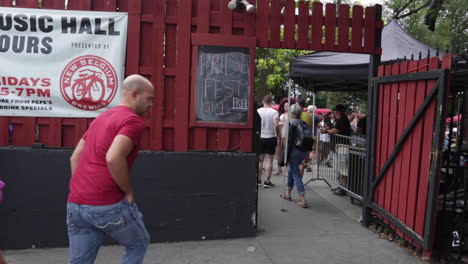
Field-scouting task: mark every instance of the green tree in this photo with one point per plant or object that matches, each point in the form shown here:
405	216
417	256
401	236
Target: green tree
448	18
272	68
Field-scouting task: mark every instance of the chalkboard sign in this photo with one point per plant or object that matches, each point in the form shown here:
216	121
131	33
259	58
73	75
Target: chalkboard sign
222	84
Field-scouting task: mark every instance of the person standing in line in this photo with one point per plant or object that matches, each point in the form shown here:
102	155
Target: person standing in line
267	140
296	156
342	127
101	199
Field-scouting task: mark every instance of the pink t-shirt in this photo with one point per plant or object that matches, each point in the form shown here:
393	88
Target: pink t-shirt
92	183
2	184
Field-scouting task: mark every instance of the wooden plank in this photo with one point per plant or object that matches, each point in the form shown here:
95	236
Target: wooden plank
399	177
370	29
4	130
24	131
226	18
223	139
248	24
108	5
246	140
275	24
223	40
303	26
212	139
378	140
27	4
263	8
52	4
317	22
407	150
393	125
157	74
330	27
50	131
234	140
289	24
385	148
416	152
79	5
182	85
203	16
6	3
428	136
357	26
133	38
343	28
203	25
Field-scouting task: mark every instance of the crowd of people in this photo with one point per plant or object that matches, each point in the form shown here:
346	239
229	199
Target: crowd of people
279	134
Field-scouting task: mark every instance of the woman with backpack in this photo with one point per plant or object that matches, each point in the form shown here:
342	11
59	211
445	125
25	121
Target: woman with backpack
300	140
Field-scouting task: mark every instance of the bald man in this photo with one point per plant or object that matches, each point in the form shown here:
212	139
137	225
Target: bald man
101	199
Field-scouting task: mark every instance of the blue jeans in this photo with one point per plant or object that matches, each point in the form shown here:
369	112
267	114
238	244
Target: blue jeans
296	157
122	221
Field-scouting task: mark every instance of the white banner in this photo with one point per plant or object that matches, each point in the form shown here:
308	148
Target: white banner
59	63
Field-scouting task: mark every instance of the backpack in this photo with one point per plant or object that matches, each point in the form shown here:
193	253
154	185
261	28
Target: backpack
303	139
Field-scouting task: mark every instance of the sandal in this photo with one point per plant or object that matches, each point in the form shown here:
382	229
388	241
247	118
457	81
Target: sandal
302	204
286	196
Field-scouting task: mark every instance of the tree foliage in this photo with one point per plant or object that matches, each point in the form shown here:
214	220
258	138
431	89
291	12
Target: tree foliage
448	18
272	68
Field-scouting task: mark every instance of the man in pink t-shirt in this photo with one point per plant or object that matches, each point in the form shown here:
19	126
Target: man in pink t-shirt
101	200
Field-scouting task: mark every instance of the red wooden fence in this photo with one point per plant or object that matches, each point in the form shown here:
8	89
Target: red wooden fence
403	192
160	47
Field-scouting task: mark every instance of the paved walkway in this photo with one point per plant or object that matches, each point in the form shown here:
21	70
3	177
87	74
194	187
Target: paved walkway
327	232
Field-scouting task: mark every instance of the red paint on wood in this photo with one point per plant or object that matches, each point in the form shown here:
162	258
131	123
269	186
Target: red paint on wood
223	40
370	29
407	150
246	140
343	28
4	131
303	26
72	130
182	90
416	152
27	3
385	135
157	74
393	125
133	45
234	140
79	5
51	4
378	139
399	178
249	24
427	138
223	139
6	3
262	10
317	22
330	26
203	18
169	98
200	138
50	131
212	139
24	131
168	143
275	24
108	5
289	24
357	23
226	18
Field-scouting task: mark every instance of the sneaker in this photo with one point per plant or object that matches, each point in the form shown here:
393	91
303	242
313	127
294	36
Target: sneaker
286	196
259	183
302	204
268	184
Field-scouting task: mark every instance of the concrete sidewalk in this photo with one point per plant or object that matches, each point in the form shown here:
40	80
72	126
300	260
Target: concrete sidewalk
326	232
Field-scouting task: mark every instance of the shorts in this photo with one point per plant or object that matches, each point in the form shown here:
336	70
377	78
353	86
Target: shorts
267	146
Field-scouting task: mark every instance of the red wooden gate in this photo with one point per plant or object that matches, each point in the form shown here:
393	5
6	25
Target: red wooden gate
161	37
409	105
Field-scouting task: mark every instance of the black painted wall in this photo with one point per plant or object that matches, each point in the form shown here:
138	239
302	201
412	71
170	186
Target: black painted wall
183	196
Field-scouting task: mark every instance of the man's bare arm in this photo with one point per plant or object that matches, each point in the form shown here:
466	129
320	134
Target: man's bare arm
333	131
116	158
75	157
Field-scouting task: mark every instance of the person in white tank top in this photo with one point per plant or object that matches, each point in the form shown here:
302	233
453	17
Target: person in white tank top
268	140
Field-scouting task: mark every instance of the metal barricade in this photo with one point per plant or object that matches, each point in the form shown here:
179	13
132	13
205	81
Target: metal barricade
340	161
